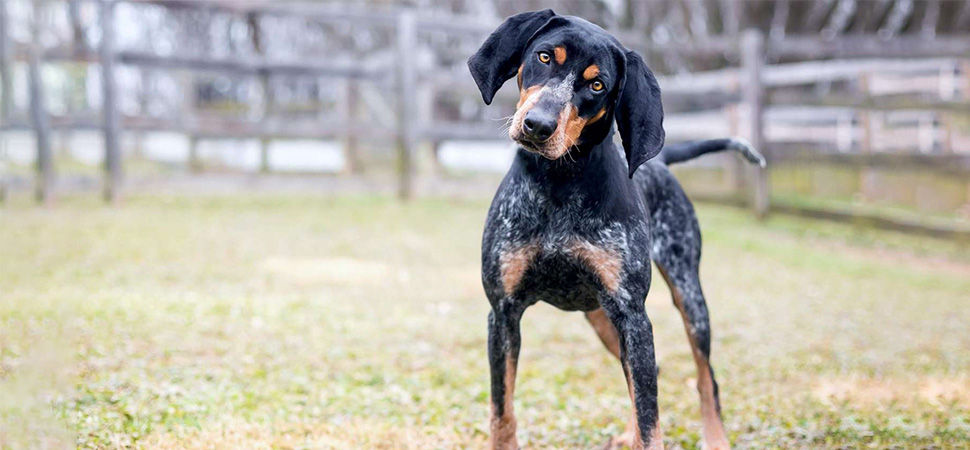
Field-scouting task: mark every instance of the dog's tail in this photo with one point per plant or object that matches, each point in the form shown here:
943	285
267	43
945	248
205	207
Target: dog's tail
685	151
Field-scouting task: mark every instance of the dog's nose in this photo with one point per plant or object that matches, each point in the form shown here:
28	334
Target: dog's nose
538	126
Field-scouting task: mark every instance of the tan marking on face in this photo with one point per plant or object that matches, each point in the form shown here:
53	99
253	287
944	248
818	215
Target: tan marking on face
606	264
526	94
714	435
559	55
502	427
513	264
591	72
527	99
598	116
573	126
568	128
518	76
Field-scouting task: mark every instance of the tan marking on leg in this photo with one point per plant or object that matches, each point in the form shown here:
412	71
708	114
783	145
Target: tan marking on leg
513	264
714	435
560	54
611	339
591	72
606	264
637	438
656	435
605	330
502	434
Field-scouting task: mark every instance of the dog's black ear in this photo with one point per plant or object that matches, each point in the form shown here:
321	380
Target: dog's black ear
499	57
639	113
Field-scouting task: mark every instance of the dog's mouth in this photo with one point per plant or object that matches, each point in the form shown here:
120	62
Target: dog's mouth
540	148
529	144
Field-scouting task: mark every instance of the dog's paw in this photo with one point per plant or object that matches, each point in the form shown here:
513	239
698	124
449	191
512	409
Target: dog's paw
625	440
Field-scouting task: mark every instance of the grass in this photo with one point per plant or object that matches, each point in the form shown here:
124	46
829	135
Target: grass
356	322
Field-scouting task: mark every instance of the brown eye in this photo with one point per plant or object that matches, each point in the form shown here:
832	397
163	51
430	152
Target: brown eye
596	86
544	57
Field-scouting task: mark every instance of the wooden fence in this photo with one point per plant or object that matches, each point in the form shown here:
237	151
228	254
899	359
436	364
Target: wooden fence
886	117
765	102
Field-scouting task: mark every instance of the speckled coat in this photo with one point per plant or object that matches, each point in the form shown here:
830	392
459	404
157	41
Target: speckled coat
574	222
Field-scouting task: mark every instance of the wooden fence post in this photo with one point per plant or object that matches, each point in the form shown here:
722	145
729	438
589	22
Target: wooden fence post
6	97
112	151
406	81
264	141
38	114
425	114
6	82
195	161
734	168
351	110
753	96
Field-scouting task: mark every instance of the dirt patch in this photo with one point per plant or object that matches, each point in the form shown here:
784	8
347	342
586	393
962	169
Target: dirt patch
867	391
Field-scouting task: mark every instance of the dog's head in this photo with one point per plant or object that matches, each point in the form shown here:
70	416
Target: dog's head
574	79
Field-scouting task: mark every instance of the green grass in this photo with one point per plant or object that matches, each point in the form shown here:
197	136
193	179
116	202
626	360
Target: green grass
357	322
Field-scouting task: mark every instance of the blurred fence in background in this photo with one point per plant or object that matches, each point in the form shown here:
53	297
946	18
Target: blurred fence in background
862	108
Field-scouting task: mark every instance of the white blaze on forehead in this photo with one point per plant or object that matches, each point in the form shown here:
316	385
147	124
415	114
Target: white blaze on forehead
564	90
562	93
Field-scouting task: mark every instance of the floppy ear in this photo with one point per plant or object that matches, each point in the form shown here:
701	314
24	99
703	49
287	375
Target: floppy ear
639	113
499	57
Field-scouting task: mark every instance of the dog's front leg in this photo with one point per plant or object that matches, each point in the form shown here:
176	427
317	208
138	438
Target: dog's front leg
503	354
639	366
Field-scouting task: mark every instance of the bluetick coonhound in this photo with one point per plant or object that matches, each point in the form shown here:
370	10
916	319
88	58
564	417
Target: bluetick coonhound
576	226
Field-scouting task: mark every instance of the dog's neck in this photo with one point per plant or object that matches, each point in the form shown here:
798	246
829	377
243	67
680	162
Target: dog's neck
581	161
588	173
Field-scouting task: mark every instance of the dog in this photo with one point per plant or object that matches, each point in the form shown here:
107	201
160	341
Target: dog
576	226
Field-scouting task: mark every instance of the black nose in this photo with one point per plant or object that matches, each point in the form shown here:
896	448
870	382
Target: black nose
538	126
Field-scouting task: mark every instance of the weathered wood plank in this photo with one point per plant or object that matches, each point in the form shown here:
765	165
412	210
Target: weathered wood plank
244	65
38	115
752	62
351	112
945	164
109	98
6	97
6	61
406	81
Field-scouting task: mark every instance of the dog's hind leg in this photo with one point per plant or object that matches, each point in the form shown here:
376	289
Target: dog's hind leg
685	287
676	249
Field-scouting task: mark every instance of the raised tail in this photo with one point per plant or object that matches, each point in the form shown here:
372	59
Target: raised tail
685	151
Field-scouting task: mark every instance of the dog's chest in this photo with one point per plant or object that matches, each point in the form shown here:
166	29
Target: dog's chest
564	269
566	253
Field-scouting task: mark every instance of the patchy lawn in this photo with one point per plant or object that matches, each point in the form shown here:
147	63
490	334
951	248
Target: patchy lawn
296	321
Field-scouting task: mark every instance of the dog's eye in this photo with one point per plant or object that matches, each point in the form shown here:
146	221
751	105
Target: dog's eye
544	57
596	86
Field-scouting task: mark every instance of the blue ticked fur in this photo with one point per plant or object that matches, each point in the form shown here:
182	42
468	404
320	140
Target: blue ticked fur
576	222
